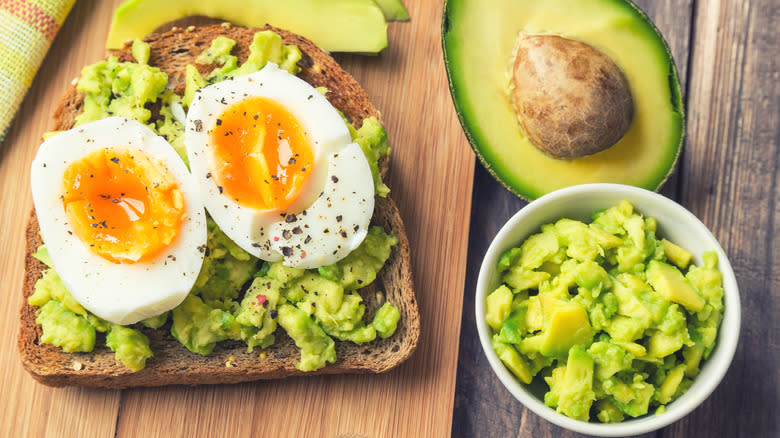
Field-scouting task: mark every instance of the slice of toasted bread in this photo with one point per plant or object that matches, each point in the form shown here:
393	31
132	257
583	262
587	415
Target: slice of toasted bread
229	362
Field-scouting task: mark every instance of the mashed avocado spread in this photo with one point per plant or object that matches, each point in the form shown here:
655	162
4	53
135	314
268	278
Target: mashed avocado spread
614	320
236	296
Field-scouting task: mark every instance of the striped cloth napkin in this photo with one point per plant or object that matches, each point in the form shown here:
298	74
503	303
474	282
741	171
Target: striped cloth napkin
27	29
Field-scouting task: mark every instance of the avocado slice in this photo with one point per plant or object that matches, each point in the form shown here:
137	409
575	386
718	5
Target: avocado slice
566	325
333	25
576	390
513	361
669	282
479	45
671	383
677	255
394	10
498	305
660	345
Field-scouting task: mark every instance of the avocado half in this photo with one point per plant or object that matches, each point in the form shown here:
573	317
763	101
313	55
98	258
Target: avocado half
479	46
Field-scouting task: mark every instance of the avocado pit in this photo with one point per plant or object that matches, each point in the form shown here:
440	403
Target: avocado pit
570	99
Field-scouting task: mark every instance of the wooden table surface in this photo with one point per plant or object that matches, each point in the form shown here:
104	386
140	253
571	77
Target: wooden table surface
727	54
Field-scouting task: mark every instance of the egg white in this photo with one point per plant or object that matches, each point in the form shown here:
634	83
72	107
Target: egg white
333	216
119	293
336	223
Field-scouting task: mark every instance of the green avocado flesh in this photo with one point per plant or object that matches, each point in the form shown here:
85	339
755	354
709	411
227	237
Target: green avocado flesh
599	313
479	45
360	24
394	10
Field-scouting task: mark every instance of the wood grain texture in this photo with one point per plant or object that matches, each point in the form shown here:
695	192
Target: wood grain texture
727	54
430	177
730	181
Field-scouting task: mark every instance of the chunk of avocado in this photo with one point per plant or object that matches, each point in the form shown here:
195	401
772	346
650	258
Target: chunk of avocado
360	24
661	345
692	357
671	383
571	391
676	254
633	348
497	307
567	325
669	282
513	361
627	290
479	45
633	399
317	348
534	320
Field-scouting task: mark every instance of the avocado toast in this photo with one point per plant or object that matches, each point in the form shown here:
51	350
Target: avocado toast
230	362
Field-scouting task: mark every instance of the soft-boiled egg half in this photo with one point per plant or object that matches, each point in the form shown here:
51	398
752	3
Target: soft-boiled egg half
121	217
278	170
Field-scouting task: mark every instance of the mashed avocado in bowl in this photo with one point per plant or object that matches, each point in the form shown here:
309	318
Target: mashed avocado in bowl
607	309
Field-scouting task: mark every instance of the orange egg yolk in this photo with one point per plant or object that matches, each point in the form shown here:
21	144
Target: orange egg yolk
122	204
261	154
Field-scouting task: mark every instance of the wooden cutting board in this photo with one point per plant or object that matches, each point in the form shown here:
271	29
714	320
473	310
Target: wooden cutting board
431	180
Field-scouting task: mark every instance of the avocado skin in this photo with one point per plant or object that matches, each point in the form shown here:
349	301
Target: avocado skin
515	183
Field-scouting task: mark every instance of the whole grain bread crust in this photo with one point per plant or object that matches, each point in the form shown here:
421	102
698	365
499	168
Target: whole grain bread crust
172	363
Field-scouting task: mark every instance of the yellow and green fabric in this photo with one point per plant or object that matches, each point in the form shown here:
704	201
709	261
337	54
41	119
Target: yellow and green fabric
27	29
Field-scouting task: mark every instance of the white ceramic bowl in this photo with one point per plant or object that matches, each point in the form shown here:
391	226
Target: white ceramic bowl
674	223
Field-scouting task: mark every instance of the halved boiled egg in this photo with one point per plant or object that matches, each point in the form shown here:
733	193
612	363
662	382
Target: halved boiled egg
278	170
121	217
